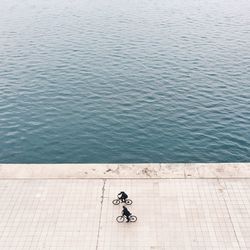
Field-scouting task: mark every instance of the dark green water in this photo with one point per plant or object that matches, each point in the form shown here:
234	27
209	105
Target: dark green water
124	81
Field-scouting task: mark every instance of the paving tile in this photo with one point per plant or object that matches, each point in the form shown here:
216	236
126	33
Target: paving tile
79	214
43	214
172	214
237	198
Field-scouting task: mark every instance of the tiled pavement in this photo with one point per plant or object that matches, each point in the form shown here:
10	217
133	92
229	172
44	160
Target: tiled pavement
79	214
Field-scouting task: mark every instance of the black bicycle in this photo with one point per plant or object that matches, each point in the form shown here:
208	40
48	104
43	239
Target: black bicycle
119	200
121	218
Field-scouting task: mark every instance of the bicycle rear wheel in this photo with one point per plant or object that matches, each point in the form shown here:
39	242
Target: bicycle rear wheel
120	219
128	202
116	202
133	218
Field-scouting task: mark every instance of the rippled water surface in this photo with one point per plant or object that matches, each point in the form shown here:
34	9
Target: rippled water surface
124	81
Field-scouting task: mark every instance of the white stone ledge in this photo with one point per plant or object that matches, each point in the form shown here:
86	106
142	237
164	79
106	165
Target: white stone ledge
144	170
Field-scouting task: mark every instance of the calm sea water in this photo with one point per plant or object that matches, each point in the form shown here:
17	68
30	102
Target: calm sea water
124	81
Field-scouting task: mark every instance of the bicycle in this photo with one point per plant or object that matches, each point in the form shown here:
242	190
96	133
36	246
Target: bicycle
121	218
118	201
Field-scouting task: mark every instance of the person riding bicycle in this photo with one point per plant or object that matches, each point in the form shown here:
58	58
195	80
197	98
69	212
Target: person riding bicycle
122	196
126	213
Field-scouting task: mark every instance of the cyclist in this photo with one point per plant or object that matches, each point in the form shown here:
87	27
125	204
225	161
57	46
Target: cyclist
126	213
122	196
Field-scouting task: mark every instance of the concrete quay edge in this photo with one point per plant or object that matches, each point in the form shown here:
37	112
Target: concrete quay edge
126	171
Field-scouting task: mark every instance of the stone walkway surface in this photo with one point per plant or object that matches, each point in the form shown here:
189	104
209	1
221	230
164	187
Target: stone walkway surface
79	214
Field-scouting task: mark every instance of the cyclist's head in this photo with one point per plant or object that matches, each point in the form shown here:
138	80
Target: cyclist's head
123	207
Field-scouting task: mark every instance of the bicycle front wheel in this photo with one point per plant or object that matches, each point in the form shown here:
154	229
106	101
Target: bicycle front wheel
120	219
133	218
129	202
116	202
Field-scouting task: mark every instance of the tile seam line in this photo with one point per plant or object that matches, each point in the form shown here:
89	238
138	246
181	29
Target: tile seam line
129	178
230	217
100	215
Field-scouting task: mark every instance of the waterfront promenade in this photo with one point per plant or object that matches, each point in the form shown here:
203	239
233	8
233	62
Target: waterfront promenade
179	206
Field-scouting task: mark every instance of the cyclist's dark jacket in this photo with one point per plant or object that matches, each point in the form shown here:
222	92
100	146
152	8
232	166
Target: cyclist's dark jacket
123	195
125	212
